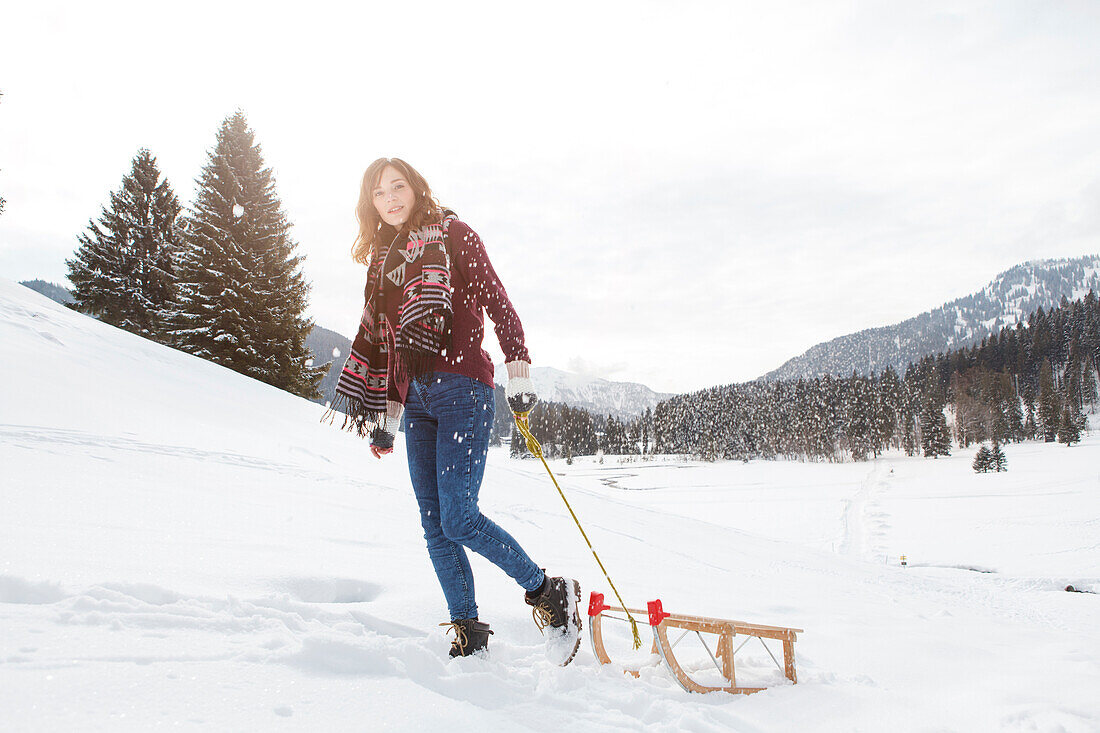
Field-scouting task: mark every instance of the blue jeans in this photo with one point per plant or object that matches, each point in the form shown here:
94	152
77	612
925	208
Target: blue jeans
448	420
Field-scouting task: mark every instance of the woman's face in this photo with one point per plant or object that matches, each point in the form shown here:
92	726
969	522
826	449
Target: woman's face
393	197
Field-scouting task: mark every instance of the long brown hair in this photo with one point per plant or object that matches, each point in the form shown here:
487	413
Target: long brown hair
426	210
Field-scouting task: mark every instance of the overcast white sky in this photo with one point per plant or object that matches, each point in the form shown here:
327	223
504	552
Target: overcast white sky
680	194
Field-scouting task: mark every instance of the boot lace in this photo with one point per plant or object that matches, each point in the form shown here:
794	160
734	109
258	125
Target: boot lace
460	641
542	614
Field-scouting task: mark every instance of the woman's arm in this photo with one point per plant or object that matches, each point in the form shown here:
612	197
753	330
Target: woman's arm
475	267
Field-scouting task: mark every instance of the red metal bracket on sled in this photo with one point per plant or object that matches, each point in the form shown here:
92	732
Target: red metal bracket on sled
656	613
596	604
725	629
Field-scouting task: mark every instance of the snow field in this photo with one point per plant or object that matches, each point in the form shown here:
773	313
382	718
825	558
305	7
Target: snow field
180	546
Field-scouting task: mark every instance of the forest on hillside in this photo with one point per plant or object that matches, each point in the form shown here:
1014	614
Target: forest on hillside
1035	380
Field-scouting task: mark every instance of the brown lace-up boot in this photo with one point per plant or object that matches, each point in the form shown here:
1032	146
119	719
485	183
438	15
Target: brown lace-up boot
555	608
471	636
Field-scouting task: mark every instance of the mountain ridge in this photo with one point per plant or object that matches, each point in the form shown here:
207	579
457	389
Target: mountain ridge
1004	301
597	395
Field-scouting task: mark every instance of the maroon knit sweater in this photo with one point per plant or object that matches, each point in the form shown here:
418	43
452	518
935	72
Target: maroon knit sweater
475	287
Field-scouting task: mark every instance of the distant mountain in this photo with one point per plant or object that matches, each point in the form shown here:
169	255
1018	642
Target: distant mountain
598	396
56	293
328	346
1010	297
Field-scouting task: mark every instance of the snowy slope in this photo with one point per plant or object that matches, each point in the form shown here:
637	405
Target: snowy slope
598	396
181	546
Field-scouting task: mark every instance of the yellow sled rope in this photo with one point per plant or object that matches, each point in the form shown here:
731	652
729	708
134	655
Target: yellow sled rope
536	449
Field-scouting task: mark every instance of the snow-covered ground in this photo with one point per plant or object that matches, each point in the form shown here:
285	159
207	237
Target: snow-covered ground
183	546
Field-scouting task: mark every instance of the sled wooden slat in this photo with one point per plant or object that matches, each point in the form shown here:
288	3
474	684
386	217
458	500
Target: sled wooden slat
726	629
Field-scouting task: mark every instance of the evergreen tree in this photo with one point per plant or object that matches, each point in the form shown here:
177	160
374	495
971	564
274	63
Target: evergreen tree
859	417
1089	393
1008	410
1030	428
935	440
122	272
1068	430
909	437
1074	394
1048	402
634	438
997	458
887	427
983	461
241	293
661	436
615	436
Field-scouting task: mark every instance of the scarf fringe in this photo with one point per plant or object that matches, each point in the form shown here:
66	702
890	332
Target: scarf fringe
414	364
417	363
357	420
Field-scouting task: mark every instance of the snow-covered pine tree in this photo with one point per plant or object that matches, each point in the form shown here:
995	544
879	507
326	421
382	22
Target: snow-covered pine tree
241	293
93	272
123	271
661	438
888	429
983	460
1089	393
1049	407
859	417
1008	409
1068	430
935	440
997	458
634	438
1074	391
1030	427
615	435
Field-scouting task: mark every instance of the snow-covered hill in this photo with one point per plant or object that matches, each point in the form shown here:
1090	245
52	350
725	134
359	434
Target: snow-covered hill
598	396
1005	301
184	547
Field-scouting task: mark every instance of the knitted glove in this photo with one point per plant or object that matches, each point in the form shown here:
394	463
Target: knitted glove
382	437
521	390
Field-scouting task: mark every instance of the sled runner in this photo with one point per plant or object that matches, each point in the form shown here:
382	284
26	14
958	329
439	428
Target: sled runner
660	622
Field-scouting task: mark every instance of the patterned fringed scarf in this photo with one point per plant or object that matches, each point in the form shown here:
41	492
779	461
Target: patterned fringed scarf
423	282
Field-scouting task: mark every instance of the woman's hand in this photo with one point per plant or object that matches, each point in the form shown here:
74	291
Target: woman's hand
382	437
521	390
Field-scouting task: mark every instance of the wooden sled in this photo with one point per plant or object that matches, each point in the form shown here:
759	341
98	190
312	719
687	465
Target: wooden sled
660	622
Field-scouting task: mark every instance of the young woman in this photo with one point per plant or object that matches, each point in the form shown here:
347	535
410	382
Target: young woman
418	350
